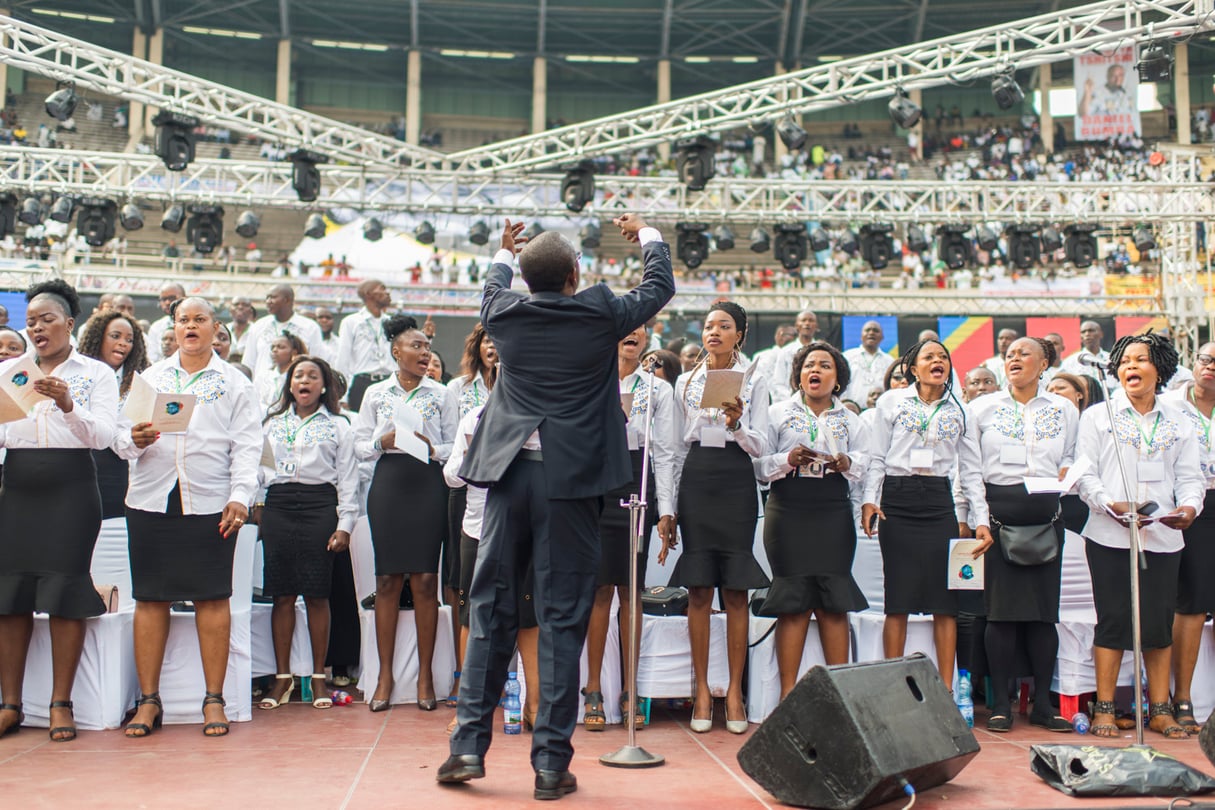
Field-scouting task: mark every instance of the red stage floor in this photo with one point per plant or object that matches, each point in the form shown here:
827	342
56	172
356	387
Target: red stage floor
297	757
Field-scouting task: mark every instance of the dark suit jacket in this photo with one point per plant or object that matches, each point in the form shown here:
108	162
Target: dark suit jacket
559	374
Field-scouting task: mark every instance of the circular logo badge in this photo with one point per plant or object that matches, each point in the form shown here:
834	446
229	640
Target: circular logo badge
20	378
173	408
966	572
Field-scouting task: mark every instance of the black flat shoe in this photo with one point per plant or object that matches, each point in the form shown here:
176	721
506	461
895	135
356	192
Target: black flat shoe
1056	724
554	784
1000	723
459	768
69	732
143	729
15	727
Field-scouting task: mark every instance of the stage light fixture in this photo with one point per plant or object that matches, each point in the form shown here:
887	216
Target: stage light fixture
314	226
174	217
692	243
1006	91
305	176
62	103
760	241
373	230
578	187
205	227
31	211
247	224
478	233
532	231
1143	239
903	111
1081	244
1155	63
848	241
1024	246
8	213
130	217
1051	240
986	238
424	232
917	240
61	211
694	161
95	222
877	244
791	246
791	134
820	240
723	238
590	235
953	246
174	142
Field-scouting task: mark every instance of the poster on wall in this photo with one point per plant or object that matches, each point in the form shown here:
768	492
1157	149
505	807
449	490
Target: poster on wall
1107	94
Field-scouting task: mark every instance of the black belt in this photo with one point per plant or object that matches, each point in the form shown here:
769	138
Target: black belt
371	376
530	455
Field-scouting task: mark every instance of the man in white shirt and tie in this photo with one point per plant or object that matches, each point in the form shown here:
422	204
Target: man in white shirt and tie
169	293
995	364
868	364
364	355
280	303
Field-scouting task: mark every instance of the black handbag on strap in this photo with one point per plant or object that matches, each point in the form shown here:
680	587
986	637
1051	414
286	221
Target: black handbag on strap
662	601
1028	545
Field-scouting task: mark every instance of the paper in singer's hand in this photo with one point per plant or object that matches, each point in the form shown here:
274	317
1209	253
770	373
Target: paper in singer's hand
407	421
1035	485
167	412
1144	520
721	385
626	402
965	572
10	411
18	382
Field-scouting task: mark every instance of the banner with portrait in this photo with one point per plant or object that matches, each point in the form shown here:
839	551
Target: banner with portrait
1107	95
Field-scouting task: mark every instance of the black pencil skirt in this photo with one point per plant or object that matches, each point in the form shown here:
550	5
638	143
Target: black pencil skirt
1196	586
50	514
1111	574
407	512
920	521
718	509
178	557
1021	593
614	529
296	524
810	538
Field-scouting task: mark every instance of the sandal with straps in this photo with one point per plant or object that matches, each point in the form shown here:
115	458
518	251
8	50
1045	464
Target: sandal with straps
68	732
320	700
1183	711
593	717
273	703
1106	707
1169	732
223	728
143	729
638	716
15	727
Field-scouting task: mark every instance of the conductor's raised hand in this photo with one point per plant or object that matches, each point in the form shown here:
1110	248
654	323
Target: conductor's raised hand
512	236
630	226
142	435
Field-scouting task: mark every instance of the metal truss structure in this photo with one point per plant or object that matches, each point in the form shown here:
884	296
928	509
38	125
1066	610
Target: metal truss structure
1183	298
144	178
977	54
39	50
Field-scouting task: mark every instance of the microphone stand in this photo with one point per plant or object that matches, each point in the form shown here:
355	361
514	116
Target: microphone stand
631	755
1138	560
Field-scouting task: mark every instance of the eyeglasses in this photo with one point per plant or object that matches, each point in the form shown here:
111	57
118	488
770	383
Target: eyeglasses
1204	359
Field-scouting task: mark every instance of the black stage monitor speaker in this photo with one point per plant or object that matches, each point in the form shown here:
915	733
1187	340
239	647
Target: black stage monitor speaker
847	736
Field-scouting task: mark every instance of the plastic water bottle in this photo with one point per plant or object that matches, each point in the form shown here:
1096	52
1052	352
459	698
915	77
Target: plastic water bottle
966	704
306	690
1080	722
341	698
512	712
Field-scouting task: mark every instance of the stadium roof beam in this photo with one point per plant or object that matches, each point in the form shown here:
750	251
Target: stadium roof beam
1026	43
284	19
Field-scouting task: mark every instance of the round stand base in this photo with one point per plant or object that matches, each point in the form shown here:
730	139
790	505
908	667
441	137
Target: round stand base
631	756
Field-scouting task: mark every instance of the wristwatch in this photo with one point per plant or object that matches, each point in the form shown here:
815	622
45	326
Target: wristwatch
731	428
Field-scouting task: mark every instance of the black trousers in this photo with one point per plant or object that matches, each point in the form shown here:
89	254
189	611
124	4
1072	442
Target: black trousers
561	538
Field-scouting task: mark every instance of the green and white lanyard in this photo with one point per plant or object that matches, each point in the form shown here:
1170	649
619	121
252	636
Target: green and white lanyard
181	389
291	434
925	419
1202	420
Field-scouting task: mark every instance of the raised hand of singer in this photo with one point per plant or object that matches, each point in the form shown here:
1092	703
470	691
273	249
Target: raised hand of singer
512	236
234	516
57	390
630	225
142	435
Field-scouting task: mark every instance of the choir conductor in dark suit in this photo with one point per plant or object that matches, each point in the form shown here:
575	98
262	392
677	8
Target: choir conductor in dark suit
550	443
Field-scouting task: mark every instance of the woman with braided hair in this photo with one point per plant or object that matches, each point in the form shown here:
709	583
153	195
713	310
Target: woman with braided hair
1160	452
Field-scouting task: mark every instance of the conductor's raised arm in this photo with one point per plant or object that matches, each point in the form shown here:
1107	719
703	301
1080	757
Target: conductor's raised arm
657	286
502	269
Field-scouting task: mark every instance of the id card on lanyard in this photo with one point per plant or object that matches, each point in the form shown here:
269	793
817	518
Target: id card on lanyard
1150	471
921	458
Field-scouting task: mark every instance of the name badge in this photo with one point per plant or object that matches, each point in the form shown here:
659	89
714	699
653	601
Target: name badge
284	462
1151	471
921	458
1012	454
711	436
814	469
634	439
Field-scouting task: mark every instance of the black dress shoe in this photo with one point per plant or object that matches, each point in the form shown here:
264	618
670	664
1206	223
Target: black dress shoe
554	784
460	768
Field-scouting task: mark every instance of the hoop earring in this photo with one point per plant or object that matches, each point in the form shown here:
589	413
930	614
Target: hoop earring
837	389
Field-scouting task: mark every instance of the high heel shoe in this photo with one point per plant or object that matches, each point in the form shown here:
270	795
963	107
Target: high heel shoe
702	726
320	700
15	727
638	715
271	703
223	728
144	729
69	732
736	726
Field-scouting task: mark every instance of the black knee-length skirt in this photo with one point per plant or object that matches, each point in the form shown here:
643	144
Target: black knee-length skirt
407	512
1111	573
1196	583
179	557
1021	593
718	509
112	475
296	524
920	521
50	514
810	538
614	529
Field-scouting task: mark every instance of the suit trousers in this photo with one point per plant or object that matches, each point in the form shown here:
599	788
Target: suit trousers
561	538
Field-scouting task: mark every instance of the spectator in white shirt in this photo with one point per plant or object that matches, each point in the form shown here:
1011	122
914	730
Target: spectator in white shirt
327	349
979	381
867	364
363	351
995	364
766	359
806	324
169	293
282	318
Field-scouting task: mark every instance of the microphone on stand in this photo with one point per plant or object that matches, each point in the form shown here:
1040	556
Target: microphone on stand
1094	361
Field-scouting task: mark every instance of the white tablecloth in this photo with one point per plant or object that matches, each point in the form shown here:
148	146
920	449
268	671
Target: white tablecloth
763	674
